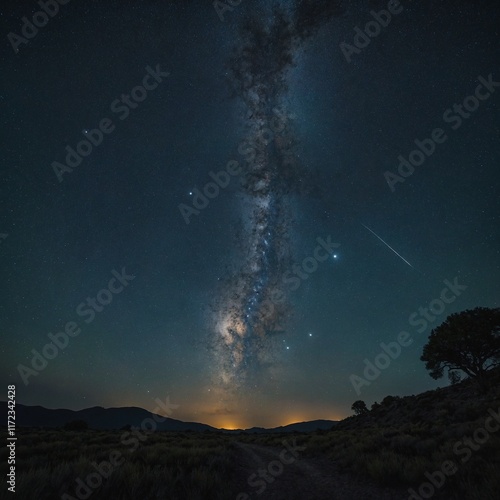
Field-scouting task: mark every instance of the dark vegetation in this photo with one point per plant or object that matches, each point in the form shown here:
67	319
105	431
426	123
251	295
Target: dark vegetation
467	342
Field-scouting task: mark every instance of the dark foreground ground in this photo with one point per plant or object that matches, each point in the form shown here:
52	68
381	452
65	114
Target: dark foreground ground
331	465
305	478
53	464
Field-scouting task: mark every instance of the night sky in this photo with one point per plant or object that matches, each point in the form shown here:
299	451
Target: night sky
236	316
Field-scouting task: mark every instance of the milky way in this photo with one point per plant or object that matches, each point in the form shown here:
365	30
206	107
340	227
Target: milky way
252	307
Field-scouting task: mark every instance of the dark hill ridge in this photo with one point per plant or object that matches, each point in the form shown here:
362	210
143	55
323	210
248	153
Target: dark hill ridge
98	417
455	404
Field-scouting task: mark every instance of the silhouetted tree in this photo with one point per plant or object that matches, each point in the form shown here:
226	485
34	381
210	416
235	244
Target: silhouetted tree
359	407
388	400
468	341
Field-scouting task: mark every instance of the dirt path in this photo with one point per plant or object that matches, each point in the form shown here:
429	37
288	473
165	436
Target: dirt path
285	475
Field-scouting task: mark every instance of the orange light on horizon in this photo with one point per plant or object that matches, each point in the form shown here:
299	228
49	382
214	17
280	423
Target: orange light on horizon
229	426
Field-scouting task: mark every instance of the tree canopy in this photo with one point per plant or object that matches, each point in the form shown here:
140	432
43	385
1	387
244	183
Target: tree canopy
468	341
359	407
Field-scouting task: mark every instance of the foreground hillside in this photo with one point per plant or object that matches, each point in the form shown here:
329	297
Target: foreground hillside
448	438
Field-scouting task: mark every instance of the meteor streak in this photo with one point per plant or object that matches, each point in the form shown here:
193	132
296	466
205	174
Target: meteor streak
387	245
